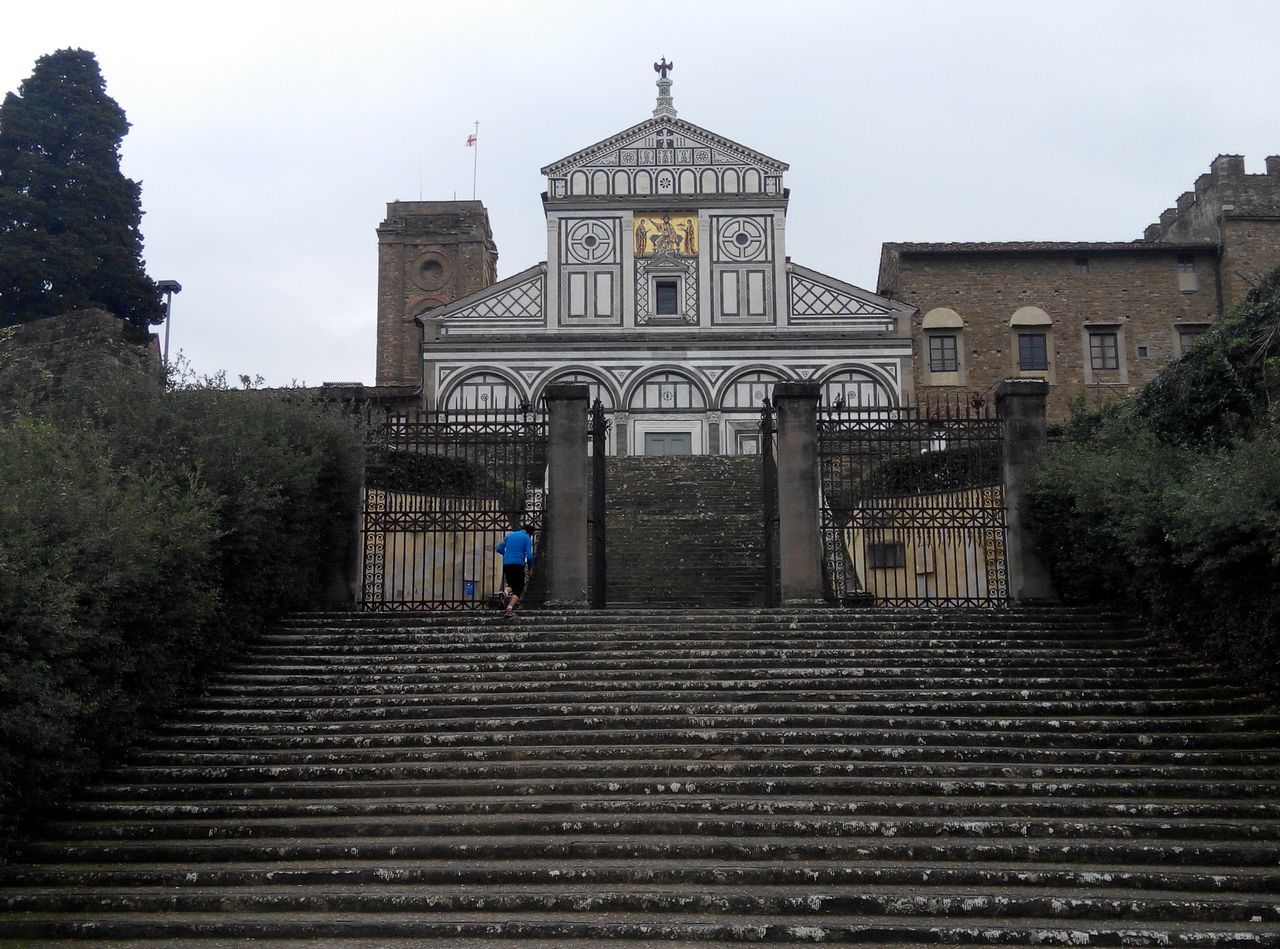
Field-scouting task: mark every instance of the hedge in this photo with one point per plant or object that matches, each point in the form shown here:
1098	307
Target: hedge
1169	504
144	535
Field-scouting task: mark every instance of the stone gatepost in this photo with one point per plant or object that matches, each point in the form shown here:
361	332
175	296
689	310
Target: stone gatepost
1020	403
566	518
799	532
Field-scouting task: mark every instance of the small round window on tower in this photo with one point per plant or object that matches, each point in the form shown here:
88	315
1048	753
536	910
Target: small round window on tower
431	270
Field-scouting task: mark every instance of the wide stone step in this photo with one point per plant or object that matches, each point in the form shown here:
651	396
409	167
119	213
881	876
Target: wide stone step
571	846
1188	830
704	929
335	786
683	770
954	807
661	750
230	739
951	904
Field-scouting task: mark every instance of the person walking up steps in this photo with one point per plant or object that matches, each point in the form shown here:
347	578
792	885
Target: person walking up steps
517	557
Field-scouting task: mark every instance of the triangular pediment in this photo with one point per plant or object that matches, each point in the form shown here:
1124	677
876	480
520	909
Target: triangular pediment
818	299
518	300
663	141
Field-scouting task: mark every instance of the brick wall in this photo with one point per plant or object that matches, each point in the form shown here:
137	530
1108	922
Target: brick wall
430	253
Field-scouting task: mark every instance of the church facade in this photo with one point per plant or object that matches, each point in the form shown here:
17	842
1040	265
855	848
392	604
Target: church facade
666	289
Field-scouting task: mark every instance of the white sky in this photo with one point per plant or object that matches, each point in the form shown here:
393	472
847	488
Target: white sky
269	136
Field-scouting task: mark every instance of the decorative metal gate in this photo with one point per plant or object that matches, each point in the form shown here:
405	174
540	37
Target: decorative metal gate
913	504
442	488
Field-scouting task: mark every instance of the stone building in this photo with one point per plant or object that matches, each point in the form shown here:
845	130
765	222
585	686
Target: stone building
1096	320
666	289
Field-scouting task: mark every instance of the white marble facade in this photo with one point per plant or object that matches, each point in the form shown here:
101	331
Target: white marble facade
668	290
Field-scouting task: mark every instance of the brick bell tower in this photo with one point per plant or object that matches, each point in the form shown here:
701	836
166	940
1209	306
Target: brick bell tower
430	253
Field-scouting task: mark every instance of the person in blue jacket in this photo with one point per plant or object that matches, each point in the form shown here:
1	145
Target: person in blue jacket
517	556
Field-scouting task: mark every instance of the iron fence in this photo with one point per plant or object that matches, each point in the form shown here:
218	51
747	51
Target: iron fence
442	488
912	504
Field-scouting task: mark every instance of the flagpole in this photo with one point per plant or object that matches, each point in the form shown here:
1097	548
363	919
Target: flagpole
475	161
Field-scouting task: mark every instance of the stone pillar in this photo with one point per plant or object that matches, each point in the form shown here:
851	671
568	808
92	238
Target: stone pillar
799	531
566	519
1020	404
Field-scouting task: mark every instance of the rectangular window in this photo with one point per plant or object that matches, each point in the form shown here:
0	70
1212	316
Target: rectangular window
668	301
1142	352
1187	336
942	354
1033	352
1103	352
1188	282
1082	265
886	556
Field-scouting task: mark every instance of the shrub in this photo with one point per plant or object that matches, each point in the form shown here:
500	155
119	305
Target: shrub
1170	504
143	535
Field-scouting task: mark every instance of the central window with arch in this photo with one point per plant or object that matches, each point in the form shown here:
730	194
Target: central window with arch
669	392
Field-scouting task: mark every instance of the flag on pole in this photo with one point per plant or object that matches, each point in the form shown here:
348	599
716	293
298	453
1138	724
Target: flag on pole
471	140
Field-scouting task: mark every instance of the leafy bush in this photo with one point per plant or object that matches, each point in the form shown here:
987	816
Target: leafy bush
143	535
1170	504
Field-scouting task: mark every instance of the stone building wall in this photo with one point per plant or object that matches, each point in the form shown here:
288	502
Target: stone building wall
430	253
1135	288
1236	210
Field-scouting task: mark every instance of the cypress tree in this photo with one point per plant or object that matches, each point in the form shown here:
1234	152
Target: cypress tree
69	219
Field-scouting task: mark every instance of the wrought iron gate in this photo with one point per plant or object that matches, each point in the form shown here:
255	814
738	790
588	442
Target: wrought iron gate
913	504
441	490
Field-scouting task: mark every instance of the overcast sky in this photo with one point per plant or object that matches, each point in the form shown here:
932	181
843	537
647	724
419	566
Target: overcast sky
268	136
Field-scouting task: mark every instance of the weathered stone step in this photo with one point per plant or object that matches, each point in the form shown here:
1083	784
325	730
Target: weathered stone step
704	685
232	739
571	711
952	904
334	787
685	770
852	872
1005	808
607	928
572	846
1265	728
660	749
1188	830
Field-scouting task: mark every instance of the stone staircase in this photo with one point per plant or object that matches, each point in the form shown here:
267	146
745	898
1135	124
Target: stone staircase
685	530
691	777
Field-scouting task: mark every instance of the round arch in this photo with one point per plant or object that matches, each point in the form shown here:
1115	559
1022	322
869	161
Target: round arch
463	390
680	372
609	395
734	378
861	385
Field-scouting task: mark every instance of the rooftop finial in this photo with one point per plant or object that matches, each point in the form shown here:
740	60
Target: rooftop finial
665	107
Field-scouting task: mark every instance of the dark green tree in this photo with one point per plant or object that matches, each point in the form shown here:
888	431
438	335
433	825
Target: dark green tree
69	219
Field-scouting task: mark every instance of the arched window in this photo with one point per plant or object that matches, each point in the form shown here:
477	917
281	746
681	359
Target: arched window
748	391
482	392
596	388
944	350
856	389
1031	342
667	391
